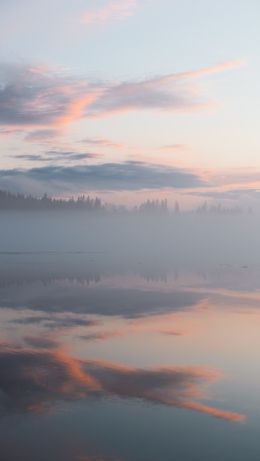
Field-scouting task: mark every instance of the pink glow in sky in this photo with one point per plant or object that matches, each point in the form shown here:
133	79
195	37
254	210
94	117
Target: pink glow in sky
131	82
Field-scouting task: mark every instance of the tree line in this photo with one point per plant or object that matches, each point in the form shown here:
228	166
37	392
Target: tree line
20	202
10	201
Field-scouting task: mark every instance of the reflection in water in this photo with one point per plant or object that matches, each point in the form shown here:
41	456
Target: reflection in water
119	338
34	380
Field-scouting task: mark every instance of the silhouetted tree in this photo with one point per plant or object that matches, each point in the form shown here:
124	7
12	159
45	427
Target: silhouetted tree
177	208
9	201
158	207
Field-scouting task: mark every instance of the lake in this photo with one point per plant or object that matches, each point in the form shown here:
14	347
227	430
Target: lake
136	358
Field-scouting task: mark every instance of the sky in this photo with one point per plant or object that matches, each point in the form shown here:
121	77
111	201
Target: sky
131	99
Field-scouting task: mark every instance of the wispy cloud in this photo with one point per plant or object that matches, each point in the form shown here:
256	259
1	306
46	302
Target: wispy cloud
101	142
230	194
171	92
239	185
42	135
177	147
58	322
36	98
172	332
57	156
101	336
211	70
112	11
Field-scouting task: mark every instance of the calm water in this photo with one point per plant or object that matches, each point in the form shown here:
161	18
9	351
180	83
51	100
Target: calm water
128	360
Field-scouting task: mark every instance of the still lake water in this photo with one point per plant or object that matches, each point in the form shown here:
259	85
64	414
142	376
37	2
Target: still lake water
128	360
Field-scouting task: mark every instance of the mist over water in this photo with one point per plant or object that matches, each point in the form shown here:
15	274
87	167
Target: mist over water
191	238
121	334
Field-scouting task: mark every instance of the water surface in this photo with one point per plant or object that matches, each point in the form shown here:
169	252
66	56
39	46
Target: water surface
128	359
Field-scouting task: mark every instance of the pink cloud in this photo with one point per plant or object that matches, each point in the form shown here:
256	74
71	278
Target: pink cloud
209	70
101	142
177	147
169	92
112	11
39	98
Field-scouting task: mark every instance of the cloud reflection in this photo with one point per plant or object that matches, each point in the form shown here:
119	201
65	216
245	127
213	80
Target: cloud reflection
127	303
33	380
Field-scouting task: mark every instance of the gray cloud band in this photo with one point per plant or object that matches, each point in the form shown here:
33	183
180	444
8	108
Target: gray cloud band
107	176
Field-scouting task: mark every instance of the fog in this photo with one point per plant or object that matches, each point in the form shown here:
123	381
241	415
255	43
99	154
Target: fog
188	239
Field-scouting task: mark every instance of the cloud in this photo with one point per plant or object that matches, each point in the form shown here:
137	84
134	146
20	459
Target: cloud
166	93
108	176
113	11
41	343
102	336
174	147
56	156
99	142
33	96
172	332
231	194
58	322
210	70
42	135
40	99
34	380
10	130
